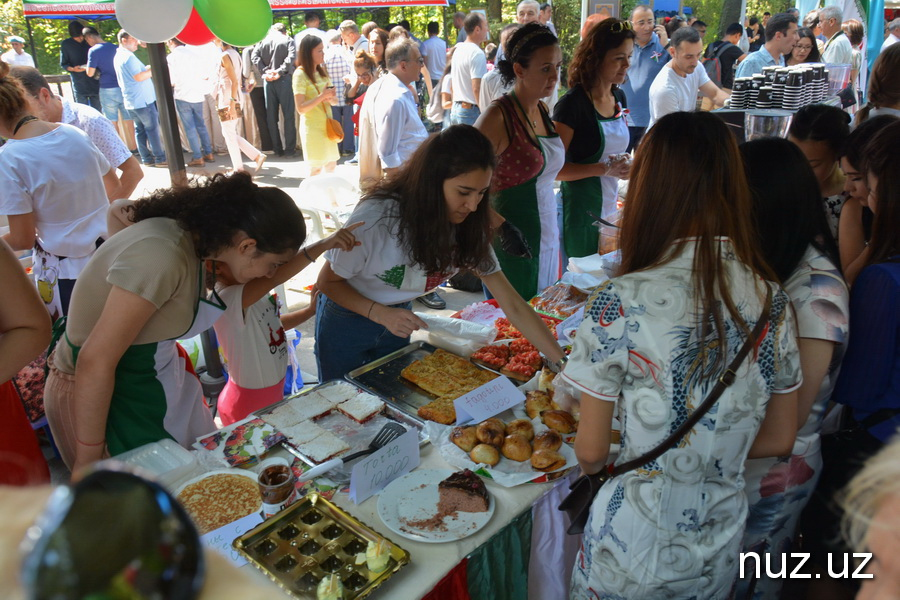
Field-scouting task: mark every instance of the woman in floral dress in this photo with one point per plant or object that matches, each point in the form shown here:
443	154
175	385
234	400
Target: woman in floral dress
654	341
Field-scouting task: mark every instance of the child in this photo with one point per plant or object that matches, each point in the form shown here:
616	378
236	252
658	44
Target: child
252	333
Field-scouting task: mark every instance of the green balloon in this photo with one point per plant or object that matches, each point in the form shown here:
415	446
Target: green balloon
236	22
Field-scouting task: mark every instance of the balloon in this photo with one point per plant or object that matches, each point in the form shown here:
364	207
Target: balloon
154	22
195	33
236	22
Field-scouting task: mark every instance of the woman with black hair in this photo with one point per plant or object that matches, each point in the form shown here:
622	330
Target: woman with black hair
800	249
117	380
806	49
529	156
819	131
591	121
419	228
855	227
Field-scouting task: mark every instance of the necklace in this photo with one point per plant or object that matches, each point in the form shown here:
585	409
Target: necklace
23	121
533	122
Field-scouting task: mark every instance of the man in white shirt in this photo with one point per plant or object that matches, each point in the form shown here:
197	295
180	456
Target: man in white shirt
189	80
398	127
434	51
16	55
351	38
469	66
837	50
893	34
676	85
46	105
312	20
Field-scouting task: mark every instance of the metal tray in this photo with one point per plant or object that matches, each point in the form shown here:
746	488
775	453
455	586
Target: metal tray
382	378
311	539
356	435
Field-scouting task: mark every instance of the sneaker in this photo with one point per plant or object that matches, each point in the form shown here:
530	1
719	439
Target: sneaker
353	161
433	300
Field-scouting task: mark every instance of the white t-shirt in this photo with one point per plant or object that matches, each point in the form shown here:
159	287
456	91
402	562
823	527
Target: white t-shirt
57	176
492	87
98	128
670	92
380	268
469	63
254	342
189	72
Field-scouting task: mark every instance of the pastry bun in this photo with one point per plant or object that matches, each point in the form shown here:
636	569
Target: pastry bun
521	427
547	460
548	440
491	431
516	447
485	453
464	437
559	420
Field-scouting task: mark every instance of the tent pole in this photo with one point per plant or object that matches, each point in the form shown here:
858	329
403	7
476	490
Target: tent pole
165	103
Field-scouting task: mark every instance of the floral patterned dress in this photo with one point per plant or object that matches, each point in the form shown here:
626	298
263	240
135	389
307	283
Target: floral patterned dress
779	488
673	528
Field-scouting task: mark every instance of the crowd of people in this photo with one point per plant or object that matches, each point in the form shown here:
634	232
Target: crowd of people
794	238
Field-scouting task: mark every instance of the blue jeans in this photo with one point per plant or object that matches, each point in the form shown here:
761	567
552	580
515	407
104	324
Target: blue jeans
112	103
92	100
279	94
146	129
346	340
344	114
463	116
191	114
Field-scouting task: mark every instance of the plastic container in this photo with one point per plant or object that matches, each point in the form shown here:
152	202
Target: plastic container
165	459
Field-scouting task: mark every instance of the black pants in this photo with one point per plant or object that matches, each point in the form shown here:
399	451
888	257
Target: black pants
258	100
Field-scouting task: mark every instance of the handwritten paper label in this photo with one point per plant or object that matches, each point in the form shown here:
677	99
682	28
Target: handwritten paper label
220	539
486	401
377	470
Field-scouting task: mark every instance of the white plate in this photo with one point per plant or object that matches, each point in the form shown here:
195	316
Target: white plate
415	496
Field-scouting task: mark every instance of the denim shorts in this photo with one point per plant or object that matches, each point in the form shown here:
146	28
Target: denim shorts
112	103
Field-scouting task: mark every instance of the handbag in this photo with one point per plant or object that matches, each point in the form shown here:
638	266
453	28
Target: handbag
333	129
577	504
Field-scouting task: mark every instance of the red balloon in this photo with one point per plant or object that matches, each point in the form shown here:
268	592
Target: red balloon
195	33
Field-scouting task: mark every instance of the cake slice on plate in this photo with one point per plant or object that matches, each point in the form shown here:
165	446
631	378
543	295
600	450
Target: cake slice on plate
463	491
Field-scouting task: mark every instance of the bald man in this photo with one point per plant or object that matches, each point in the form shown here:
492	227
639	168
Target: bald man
649	58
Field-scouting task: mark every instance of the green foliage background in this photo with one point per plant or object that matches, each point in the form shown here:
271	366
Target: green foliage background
48	34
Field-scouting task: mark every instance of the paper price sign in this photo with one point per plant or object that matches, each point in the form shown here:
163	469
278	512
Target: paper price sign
380	468
486	401
220	539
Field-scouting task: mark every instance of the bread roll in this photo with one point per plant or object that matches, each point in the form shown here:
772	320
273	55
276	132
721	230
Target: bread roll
464	437
548	440
484	453
516	447
559	420
521	427
547	460
536	403
491	431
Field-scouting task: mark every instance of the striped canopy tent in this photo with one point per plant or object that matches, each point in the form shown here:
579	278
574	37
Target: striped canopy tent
93	9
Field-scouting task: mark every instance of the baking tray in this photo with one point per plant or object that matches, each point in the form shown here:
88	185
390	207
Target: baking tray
357	435
311	539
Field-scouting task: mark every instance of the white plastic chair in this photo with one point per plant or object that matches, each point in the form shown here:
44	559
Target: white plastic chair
326	196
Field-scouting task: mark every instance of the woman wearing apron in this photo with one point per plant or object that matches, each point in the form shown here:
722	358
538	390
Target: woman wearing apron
591	120
529	156
117	379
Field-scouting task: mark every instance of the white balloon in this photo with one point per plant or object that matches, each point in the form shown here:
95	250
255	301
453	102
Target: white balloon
153	21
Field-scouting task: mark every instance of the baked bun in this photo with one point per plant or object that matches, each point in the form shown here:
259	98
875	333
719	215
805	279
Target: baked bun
464	437
537	402
547	460
521	427
559	420
516	447
484	453
548	440
491	431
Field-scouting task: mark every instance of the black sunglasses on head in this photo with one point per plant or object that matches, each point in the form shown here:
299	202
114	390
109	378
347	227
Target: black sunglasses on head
113	536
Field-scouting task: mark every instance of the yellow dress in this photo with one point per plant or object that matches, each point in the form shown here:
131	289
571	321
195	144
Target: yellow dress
317	148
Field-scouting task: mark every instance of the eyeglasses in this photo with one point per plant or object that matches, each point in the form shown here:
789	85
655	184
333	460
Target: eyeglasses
803	47
620	26
153	551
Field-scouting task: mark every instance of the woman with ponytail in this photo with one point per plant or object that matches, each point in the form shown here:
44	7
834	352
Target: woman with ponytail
117	380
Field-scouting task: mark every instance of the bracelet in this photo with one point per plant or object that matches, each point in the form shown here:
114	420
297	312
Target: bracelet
306	254
86	444
369	314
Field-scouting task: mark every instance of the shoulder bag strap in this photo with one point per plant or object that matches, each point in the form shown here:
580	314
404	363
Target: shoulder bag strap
725	380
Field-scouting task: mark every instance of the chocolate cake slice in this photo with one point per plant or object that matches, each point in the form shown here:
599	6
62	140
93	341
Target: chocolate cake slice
462	491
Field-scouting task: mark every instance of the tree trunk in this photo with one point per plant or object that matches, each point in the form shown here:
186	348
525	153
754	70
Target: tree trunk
495	11
731	13
382	16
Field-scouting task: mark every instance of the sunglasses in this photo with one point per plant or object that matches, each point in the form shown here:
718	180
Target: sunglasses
152	550
620	26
